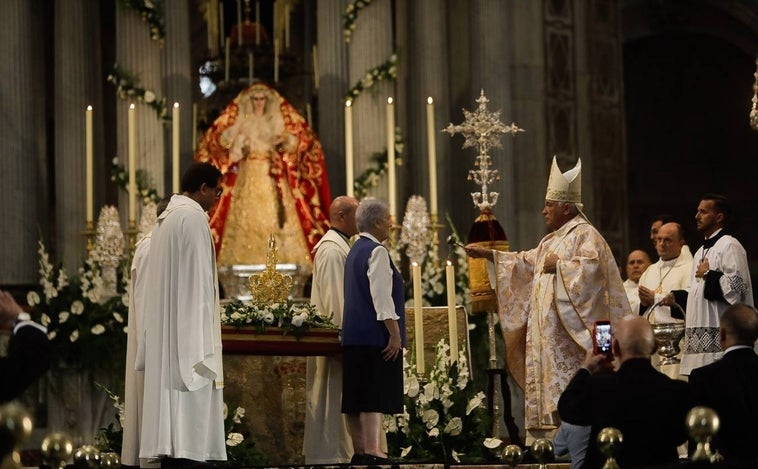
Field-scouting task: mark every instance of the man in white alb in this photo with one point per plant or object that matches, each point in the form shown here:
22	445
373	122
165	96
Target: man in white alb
636	263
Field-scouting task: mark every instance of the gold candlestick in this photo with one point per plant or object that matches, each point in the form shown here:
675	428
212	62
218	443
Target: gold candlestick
132	233
89	234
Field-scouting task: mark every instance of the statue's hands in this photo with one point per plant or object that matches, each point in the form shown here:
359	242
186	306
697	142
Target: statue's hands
551	260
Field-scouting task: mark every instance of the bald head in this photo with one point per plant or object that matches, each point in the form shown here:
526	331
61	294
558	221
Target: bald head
636	264
669	241
633	338
342	214
739	326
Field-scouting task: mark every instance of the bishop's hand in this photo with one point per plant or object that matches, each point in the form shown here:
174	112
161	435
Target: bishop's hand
551	260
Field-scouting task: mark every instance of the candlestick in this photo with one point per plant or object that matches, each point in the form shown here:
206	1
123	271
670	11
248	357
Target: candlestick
250	67
349	177
226	60
276	60
418	319
315	67
257	22
194	126
175	148
240	36
430	142
452	318
391	156
132	165
308	116
88	162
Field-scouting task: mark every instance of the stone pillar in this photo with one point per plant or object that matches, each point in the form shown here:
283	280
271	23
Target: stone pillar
371	45
333	85
428	64
78	83
177	83
138	54
23	142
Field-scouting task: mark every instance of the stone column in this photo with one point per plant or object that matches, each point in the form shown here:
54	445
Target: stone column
333	85
137	53
428	66
23	142
177	83
78	83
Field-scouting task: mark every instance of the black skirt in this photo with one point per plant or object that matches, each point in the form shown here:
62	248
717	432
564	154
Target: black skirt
369	383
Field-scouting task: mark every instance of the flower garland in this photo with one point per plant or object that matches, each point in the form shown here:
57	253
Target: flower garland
151	12
385	71
127	88
351	14
443	419
294	318
371	177
144	183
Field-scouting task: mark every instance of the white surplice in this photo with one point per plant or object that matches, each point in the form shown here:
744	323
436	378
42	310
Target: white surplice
326	439
134	375
547	318
183	399
632	294
701	337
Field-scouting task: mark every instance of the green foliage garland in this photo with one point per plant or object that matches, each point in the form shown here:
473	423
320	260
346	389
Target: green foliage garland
151	12
127	87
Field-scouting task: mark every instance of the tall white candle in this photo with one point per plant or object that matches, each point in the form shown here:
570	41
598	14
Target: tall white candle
308	114
226	59
452	319
240	36
88	162
250	67
257	22
132	149
175	149
194	126
349	177
391	156
276	60
430	141
418	319
315	67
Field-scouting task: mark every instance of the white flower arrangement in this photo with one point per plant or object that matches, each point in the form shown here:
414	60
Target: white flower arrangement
294	318
443	419
127	87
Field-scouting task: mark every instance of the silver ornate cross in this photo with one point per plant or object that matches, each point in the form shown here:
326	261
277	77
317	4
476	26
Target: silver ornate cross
482	129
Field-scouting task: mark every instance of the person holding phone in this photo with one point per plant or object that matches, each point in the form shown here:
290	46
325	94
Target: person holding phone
647	406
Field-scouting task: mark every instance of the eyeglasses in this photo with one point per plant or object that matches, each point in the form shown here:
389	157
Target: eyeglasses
219	191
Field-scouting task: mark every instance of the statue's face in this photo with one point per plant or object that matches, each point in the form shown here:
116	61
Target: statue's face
259	103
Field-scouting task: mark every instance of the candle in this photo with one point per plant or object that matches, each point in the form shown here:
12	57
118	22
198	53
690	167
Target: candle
452	319
194	126
308	116
132	166
286	26
430	141
221	29
250	67
391	156
418	319
276	60
226	60
257	22
175	148
349	147
315	67
240	38
88	162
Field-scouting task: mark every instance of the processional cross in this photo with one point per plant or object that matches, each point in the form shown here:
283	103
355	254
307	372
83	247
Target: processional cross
482	129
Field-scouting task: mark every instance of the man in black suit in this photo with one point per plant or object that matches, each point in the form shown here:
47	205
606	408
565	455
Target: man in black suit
647	406
28	350
730	385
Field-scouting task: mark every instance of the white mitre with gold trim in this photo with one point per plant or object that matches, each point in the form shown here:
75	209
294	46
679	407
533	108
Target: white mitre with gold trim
565	187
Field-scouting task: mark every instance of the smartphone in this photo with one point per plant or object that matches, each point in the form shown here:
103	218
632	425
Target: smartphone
601	337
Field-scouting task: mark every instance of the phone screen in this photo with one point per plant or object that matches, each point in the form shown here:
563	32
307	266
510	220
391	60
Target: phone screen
603	338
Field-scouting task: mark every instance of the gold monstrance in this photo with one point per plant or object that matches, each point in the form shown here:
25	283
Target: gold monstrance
270	286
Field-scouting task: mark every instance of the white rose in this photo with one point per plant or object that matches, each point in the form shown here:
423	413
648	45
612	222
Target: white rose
98	329
32	298
63	316
233	439
51	335
77	307
44	320
118	318
74	336
268	317
492	443
454	427
297	321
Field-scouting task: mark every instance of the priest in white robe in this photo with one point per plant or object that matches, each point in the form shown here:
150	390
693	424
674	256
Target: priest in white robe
636	263
720	277
663	286
550	297
326	437
183	419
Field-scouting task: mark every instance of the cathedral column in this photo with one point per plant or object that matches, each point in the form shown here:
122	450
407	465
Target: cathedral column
177	81
78	83
428	66
137	53
333	85
23	142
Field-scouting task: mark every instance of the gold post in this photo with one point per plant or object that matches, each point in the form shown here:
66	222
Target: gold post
89	234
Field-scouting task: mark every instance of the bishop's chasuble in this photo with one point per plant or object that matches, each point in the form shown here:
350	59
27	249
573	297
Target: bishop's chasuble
326	438
547	319
183	402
